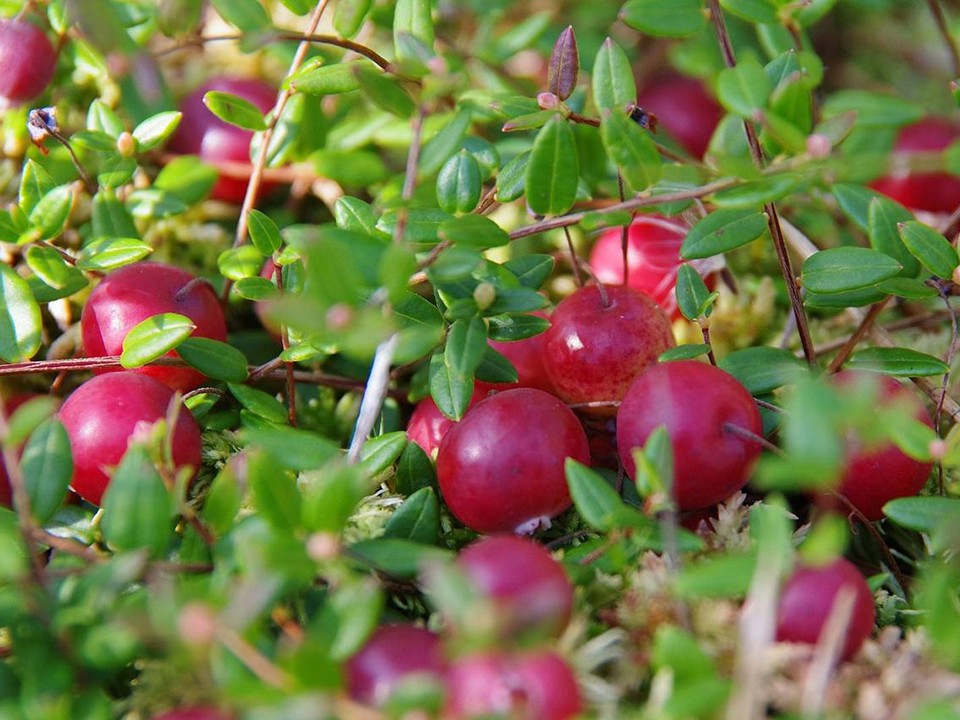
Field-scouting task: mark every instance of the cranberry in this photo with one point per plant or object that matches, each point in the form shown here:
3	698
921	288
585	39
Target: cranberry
530	589
526	356
697	403
428	426
27	62
684	110
101	416
204	134
136	292
931	191
501	468
531	686
593	351
874	475
808	599
393	654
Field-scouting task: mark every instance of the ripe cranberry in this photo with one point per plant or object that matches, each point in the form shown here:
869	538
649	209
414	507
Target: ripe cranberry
195	713
874	475
136	292
101	416
530	589
27	62
653	256
931	191
204	134
10	406
501	468
684	110
696	402
808	599
530	686
393	654
428	426
526	356
593	351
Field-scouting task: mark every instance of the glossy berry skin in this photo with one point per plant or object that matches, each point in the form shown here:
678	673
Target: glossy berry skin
27	62
526	356
393	654
685	110
593	352
808	598
694	401
530	590
136	292
874	475
931	191
530	686
428	426
197	713
203	134
101	415
501	468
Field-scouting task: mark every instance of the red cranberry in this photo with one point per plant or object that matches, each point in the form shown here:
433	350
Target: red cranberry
697	403
931	191
684	110
393	654
529	588
593	351
204	134
808	599
136	292
428	426
526	356
501	468
531	686
27	62
101	416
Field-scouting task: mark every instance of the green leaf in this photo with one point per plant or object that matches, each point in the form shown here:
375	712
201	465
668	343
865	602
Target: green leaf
101	118
235	110
511	180
331	495
117	171
264	233
847	268
553	172
412	17
459	184
215	359
883	218
744	89
725	575
762	370
324	79
899	362
531	270
855	201
151	133
354	214
613	85
385	91
299	450
348	16
357	606
53	269
693	297
754	193
722	230
154	337
21	324
414	470
447	141
923	514
155	204
631	148
597	502
477	231
530	121
400	558
137	509
27	417
873	109
929	247
755	11
185	177
417	519
35	182
275	493
108	253
94	140
110	216
255	288
684	352
47	468
495	368
50	214
677	18
246	15
259	403
450	390
466	342
380	452
509	328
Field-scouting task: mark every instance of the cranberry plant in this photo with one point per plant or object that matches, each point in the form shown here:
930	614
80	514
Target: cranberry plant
301	299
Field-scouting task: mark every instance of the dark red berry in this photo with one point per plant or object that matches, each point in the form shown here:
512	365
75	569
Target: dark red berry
393	653
698	403
136	292
27	62
684	110
501	468
428	426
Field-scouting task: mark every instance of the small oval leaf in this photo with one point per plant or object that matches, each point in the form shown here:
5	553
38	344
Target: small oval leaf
899	362
847	268
553	171
154	337
20	320
234	110
721	231
929	247
213	358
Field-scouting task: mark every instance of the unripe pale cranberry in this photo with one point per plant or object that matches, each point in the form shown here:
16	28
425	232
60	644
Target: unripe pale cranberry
593	351
101	416
27	62
393	653
529	686
501	468
684	110
808	599
136	292
428	426
530	590
697	403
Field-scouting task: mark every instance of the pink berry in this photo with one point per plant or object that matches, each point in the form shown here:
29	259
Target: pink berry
101	416
393	653
526	356
501	468
698	403
136	292
684	110
27	62
428	426
808	599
